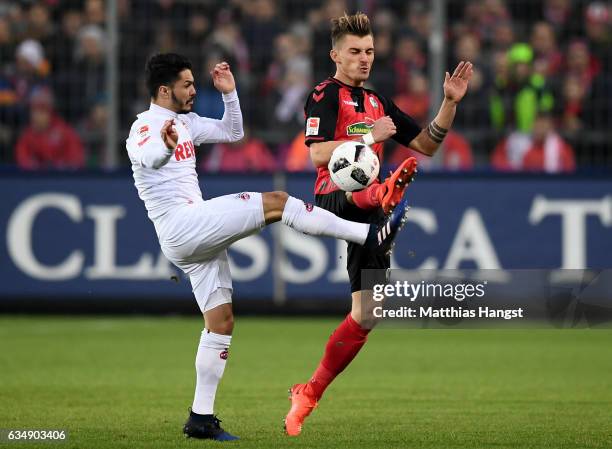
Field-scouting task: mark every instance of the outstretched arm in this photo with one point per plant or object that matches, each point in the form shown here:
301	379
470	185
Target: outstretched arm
455	87
229	128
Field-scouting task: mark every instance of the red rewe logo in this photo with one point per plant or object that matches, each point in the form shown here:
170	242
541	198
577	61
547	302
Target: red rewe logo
224	354
184	151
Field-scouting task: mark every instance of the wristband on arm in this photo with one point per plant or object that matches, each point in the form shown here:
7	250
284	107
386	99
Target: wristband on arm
368	139
436	133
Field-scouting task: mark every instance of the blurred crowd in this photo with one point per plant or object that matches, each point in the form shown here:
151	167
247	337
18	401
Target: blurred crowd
539	98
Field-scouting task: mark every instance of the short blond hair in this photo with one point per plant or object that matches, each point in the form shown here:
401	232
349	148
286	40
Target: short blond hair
357	24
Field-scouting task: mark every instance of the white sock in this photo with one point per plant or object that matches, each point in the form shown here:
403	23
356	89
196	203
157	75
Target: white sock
314	220
210	364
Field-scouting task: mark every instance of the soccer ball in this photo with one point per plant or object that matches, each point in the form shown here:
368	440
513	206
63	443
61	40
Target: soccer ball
353	166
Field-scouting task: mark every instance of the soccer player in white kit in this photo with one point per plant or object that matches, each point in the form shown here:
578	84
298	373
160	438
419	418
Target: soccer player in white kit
194	234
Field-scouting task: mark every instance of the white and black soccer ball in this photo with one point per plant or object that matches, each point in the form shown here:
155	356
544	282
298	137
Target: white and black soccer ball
353	166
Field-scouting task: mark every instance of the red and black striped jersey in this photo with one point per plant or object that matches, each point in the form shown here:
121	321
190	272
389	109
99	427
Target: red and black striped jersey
337	111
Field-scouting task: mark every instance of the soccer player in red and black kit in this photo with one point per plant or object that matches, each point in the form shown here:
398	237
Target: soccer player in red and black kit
341	109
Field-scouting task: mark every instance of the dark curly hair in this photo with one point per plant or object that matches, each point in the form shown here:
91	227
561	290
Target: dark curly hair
163	70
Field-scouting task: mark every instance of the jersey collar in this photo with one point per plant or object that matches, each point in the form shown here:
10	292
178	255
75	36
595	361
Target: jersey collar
162	111
352	88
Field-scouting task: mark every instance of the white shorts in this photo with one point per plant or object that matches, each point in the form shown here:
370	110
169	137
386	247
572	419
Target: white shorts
195	238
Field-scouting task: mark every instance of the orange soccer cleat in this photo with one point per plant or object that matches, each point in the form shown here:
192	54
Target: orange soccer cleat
394	186
302	405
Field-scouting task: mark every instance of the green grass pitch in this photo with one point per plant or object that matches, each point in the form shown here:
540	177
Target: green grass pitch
127	383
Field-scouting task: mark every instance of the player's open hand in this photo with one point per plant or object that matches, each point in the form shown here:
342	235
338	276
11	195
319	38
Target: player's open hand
223	78
169	134
455	86
383	129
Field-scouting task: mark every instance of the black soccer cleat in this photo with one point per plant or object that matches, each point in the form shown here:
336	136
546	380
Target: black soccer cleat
383	236
206	427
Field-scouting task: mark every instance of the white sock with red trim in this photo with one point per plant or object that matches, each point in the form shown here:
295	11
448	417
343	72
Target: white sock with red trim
313	220
210	364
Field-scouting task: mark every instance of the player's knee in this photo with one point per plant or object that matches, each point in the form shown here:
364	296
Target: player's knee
223	326
220	320
365	320
276	200
274	204
227	326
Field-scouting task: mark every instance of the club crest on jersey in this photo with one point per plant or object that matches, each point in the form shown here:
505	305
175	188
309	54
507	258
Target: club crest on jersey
373	102
244	196
359	128
312	126
309	206
224	354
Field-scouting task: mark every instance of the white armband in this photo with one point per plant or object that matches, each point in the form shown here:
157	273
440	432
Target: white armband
368	139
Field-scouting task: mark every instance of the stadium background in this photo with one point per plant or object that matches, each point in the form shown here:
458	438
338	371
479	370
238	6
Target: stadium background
522	182
75	236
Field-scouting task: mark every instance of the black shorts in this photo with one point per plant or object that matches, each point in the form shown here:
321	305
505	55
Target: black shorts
359	258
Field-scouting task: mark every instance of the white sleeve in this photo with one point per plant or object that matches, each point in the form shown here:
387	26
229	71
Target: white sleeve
146	147
228	129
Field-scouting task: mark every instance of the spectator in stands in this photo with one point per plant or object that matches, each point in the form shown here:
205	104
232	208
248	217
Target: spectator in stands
573	100
31	69
474	106
17	82
409	58
62	46
297	155
43	42
541	150
467	48
198	30
92	132
560	15
519	95
548	59
415	101
226	39
320	23
548	151
454	154
417	22
473	122
48	141
260	27
597	110
503	36
383	79
39	25
208	102
7	43
580	65
95	13
248	155
598	27
81	84
483	17
287	83
165	40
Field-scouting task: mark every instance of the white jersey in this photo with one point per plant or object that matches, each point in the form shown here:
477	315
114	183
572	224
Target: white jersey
165	178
